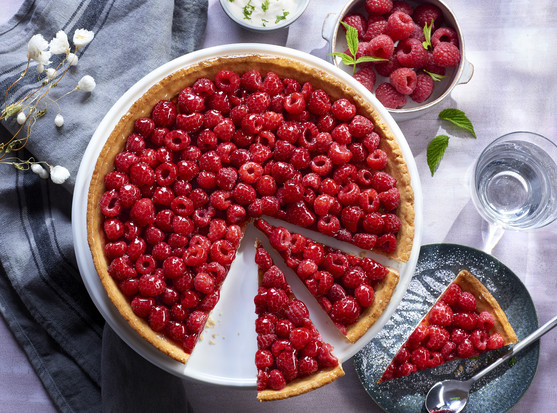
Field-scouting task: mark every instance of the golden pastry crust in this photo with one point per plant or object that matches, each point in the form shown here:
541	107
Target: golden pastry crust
168	88
303	385
383	292
486	302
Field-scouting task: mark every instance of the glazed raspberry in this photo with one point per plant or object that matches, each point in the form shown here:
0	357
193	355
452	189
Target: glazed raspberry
357	21
387	242
251	81
258	102
227	81
381	46
399	25
495	341
272	84
411	53
294	103
466	320
343	110
373	223
382	181
378	7
424	88
346	310
142	306
360	126
219	101
441	314
389	96
404	80
466	349
177	140
390	199
144	126
164	114
338	154
446	54
151	286
319	102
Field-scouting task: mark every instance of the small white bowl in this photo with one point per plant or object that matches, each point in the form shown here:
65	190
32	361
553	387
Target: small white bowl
332	32
235	10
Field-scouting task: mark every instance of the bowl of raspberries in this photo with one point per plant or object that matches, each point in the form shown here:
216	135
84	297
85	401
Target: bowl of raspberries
410	54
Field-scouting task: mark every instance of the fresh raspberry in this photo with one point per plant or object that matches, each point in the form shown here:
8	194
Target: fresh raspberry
466	349
382	181
466	320
424	88
418	336
378	7
479	339
364	241
404	80
376	160
399	26
258	102
426	14
142	306
365	295
420	357
375	26
346	311
441	314
164	113
219	101
401	5
390	199
446	54
276	380
381	46
343	109
451	294
389	96
263	359
387	243
177	140
272	84
486	321
360	126
195	322
144	126
143	212
357	21
411	53
385	68
319	102
203	87
444	34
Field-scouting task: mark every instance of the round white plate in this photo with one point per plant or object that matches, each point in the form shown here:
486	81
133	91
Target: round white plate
225	355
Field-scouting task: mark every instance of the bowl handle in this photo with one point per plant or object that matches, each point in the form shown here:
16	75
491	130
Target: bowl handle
328	25
467	72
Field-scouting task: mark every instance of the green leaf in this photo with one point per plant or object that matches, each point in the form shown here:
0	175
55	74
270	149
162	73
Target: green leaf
346	59
458	117
427	35
435	151
436	77
351	38
369	59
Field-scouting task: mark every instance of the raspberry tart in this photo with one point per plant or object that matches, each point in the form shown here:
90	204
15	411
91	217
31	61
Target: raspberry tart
211	147
353	291
466	321
292	358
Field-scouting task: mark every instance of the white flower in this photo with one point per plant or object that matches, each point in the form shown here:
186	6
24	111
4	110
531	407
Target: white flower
60	44
40	68
86	83
59	120
59	174
82	37
50	72
72	59
36	50
39	170
21	117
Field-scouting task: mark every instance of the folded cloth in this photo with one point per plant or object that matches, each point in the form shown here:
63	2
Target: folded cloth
42	296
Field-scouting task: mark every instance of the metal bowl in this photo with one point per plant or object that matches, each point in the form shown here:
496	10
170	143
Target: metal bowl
333	32
232	9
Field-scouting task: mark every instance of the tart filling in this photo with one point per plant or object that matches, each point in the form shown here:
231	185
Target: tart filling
211	147
464	322
353	291
292	358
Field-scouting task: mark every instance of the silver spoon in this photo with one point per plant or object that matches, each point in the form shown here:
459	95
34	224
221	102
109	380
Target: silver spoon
450	396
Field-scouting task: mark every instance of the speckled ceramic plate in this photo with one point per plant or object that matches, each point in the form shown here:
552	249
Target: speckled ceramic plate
438	265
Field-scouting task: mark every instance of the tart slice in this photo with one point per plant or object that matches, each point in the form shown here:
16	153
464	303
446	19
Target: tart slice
292	358
353	291
466	321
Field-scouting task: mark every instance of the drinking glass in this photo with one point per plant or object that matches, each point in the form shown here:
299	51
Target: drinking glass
514	185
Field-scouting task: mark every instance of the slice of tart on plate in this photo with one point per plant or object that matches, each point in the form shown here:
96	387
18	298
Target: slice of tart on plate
353	291
292	358
465	322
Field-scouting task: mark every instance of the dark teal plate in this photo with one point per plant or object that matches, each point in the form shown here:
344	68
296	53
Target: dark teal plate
438	265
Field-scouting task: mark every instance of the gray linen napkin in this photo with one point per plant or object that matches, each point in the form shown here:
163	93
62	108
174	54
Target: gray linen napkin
42	297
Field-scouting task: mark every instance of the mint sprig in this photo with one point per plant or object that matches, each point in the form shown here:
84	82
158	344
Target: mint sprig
437	147
436	77
353	43
427	34
458	118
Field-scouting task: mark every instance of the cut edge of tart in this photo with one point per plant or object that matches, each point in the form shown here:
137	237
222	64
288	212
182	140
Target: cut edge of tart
485	303
300	385
383	288
169	88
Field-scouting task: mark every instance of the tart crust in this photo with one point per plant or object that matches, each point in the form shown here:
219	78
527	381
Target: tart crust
168	88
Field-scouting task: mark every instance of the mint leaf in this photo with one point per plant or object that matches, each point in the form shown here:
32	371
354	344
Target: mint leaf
458	117
369	59
351	38
346	59
427	34
435	151
436	77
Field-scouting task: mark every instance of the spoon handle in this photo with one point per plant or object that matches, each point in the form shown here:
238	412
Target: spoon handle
518	347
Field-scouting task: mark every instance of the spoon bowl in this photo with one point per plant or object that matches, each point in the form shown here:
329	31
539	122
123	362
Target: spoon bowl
450	396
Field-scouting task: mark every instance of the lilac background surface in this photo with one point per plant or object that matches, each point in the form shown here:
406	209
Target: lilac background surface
513	88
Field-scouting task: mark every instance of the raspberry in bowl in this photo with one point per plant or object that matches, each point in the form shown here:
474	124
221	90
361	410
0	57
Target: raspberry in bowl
422	66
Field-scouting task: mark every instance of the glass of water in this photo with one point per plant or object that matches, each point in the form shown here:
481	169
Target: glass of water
514	184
